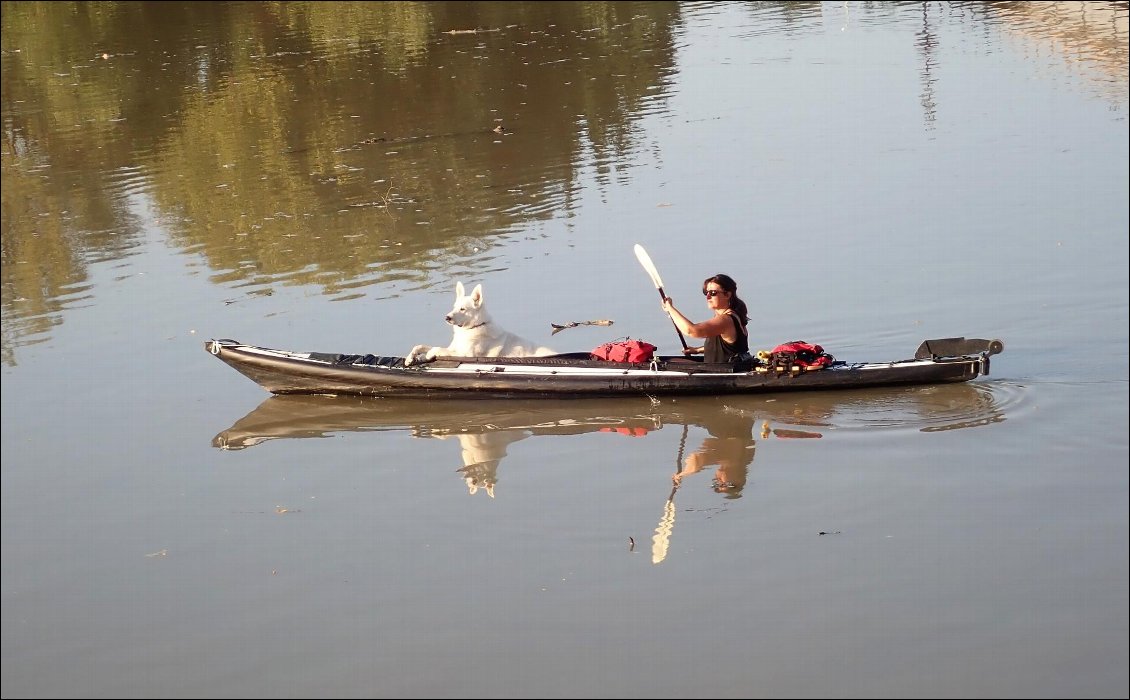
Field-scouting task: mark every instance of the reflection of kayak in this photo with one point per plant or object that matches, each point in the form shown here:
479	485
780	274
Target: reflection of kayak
792	434
932	408
575	375
320	416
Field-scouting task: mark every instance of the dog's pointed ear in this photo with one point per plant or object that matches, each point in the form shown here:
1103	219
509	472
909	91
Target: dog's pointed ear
458	290
477	295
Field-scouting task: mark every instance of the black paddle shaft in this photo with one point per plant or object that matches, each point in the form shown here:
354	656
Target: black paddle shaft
682	340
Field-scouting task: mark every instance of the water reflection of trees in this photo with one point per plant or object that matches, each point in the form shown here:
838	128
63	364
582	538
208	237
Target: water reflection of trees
343	144
1086	34
263	135
1092	34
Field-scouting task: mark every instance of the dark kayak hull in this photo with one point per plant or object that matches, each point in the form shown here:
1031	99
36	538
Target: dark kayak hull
576	376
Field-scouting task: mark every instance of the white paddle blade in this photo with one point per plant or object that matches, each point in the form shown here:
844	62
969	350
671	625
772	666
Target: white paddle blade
648	266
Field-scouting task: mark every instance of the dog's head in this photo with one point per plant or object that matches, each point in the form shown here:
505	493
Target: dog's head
468	311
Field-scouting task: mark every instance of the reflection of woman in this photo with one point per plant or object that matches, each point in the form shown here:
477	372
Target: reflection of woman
730	445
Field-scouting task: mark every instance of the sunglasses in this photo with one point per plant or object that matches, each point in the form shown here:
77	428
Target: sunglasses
711	293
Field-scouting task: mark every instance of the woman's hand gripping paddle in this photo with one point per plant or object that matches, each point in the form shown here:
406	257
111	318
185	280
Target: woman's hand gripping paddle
649	268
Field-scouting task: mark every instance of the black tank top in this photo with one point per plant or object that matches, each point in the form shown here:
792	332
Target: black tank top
716	349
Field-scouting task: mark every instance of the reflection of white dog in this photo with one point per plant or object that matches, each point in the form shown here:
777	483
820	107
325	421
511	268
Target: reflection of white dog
482	454
475	334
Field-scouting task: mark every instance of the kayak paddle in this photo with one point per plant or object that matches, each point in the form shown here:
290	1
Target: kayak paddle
649	268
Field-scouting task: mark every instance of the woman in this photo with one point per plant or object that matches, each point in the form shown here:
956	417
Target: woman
726	335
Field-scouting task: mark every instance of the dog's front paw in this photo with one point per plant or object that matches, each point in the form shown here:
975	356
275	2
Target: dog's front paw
417	355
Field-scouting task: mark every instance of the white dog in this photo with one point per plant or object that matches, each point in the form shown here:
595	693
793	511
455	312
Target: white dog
475	334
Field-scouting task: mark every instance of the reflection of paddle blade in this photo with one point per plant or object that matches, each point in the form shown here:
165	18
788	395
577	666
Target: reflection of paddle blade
662	538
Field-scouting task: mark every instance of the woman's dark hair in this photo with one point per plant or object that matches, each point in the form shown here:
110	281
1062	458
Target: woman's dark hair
736	304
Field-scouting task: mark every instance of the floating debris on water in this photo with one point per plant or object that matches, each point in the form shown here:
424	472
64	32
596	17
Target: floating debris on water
558	327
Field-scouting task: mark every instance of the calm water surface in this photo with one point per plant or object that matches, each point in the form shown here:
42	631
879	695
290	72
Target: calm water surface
317	176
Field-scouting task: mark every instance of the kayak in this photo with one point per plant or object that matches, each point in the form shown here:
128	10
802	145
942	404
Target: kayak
578	375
